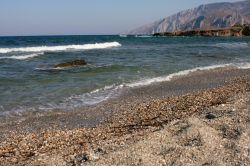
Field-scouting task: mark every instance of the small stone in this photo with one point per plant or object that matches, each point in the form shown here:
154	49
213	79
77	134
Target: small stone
100	151
14	160
82	158
210	116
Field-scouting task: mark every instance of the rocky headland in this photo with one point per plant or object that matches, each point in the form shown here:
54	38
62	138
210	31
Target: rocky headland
237	30
208	16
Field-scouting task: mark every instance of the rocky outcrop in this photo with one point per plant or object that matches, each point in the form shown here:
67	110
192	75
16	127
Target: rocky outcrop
233	31
246	31
210	16
71	64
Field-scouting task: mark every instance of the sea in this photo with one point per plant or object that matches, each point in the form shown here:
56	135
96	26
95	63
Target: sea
30	82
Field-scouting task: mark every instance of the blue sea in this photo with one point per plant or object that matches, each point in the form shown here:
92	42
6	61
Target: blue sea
29	81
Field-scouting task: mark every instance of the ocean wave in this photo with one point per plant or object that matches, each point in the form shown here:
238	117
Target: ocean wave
105	93
244	65
143	36
234	45
22	57
61	48
92	98
86	67
102	94
169	77
123	35
48	69
69	103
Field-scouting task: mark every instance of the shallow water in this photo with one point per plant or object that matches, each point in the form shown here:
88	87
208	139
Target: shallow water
28	80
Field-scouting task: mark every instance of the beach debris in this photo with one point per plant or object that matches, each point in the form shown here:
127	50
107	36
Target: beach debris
71	64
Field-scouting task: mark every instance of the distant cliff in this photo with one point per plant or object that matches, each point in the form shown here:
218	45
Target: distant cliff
239	31
210	16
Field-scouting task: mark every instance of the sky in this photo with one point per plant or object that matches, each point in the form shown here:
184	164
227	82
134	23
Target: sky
85	17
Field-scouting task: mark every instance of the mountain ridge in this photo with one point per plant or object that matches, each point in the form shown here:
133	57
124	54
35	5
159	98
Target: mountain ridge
207	16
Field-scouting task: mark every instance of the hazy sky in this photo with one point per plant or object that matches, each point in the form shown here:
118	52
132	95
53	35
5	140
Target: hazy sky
57	17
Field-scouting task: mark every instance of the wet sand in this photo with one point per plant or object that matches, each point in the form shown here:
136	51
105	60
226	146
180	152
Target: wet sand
91	135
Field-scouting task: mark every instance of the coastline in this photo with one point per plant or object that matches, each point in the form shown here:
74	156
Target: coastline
81	134
237	30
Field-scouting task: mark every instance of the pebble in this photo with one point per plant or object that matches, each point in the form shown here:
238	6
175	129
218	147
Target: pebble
210	116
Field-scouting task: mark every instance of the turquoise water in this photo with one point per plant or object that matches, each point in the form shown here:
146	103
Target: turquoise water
28	80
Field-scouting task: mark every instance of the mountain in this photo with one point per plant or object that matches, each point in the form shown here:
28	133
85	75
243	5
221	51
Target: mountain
210	16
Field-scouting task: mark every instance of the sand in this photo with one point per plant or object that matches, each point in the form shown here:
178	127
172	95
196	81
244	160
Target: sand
199	119
218	136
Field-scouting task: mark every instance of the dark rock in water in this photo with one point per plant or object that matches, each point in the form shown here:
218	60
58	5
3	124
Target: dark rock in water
210	116
71	63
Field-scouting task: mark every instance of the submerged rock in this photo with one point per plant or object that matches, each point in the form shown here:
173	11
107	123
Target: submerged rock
71	64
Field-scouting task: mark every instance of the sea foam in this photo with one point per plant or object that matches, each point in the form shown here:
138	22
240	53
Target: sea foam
245	65
94	97
22	57
61	48
169	77
103	94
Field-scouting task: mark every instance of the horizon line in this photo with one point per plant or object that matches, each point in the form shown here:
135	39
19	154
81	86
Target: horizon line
58	35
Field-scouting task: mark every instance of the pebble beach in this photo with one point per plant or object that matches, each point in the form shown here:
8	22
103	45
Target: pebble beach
80	85
204	123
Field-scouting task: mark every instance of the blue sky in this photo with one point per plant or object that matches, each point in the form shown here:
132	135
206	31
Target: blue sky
74	17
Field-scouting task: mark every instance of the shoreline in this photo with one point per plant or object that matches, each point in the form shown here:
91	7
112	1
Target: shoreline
107	92
71	138
90	116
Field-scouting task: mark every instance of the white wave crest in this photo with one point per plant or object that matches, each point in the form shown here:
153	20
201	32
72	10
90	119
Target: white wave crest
22	57
93	97
123	35
105	93
244	65
185	72
62	48
143	36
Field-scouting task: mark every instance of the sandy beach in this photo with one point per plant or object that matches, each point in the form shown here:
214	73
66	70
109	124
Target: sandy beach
198	119
125	83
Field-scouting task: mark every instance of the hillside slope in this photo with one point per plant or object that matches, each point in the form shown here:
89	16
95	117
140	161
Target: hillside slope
210	16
